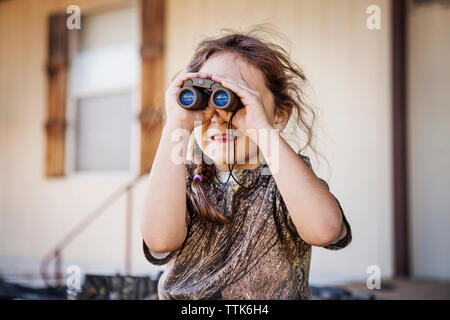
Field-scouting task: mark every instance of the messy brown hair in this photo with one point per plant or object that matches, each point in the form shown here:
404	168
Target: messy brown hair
282	76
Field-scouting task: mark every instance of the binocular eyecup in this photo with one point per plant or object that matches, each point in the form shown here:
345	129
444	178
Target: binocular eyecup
196	92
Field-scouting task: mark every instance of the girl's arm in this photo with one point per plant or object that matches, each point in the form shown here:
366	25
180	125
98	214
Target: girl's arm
163	221
163	225
313	209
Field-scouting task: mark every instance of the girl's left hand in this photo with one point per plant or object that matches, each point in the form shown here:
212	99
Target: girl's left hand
253	115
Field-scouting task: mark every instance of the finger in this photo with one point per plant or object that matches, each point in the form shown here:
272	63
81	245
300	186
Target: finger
179	80
245	87
177	83
245	95
225	115
204	75
242	84
222	78
209	111
238	116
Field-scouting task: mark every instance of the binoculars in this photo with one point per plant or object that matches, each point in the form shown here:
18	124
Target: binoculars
196	92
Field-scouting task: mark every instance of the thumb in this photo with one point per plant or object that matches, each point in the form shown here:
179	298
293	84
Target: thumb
239	118
208	113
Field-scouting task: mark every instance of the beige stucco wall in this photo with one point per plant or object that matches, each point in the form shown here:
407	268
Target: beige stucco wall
36	212
349	70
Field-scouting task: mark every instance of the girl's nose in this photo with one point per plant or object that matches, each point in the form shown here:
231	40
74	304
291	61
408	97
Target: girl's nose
217	118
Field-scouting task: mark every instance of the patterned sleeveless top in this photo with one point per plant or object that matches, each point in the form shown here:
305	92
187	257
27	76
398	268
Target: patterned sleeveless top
259	255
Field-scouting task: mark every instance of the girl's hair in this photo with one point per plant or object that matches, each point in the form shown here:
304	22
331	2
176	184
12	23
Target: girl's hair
283	77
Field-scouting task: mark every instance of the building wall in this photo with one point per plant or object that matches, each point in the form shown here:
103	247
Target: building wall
429	149
349	70
36	212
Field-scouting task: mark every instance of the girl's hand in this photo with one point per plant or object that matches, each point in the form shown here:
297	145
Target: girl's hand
184	118
253	116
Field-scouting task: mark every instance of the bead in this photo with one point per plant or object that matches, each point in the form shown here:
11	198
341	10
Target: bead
199	177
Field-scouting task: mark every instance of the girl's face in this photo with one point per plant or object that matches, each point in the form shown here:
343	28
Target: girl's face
208	135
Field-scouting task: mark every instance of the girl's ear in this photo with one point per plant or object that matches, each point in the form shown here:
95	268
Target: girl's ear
281	118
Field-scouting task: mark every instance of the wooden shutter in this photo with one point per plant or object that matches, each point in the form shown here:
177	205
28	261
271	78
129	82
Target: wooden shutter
55	125
151	117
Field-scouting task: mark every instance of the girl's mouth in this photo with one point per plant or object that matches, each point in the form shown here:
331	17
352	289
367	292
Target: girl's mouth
223	138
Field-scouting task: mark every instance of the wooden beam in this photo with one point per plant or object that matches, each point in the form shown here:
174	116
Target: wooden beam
399	76
151	117
55	125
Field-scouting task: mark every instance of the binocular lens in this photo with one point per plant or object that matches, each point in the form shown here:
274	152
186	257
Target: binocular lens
187	98
221	99
196	93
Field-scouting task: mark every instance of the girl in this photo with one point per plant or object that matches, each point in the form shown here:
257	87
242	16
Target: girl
249	236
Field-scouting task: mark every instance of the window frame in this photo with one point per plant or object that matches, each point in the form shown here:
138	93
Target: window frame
72	103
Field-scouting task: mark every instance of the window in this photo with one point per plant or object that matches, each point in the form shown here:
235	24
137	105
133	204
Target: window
103	132
105	64
102	127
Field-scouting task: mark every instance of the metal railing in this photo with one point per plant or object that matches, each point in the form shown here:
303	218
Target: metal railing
56	253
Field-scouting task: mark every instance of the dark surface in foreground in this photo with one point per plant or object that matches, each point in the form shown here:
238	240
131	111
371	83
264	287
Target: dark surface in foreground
101	287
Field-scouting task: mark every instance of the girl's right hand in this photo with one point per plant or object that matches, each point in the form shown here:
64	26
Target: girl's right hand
182	117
